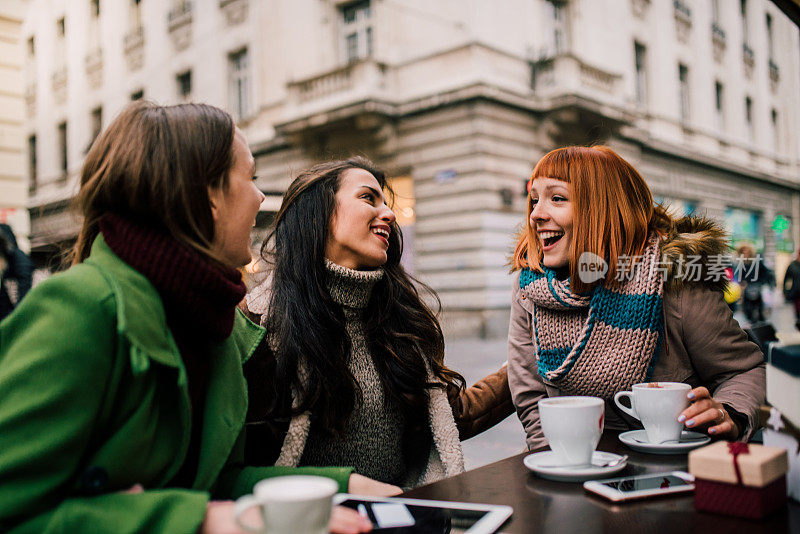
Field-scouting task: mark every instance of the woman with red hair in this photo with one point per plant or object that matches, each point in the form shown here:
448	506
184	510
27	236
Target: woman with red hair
610	291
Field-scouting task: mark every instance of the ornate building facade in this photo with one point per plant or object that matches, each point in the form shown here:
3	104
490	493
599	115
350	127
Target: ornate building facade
13	174
456	99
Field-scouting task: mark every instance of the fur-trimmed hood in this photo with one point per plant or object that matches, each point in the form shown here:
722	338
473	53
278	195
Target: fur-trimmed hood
694	251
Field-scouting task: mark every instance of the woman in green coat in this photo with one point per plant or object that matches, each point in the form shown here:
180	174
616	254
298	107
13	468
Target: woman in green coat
122	397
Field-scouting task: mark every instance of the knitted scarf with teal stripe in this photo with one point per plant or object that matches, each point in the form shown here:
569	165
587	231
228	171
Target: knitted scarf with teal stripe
600	342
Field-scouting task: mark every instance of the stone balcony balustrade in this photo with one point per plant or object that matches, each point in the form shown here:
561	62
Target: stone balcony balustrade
179	24
133	45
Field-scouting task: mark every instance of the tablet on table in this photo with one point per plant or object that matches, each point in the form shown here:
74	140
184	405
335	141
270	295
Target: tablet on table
394	515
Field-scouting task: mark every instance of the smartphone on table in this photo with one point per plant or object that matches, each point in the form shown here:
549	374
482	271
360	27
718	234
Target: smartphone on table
641	486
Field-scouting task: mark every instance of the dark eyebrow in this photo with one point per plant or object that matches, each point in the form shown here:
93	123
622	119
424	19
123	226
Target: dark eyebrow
374	191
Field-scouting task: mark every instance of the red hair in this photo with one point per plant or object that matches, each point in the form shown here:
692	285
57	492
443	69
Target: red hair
612	207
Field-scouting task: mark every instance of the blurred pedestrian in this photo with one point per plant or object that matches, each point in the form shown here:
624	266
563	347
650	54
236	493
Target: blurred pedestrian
357	375
122	395
791	286
603	300
14	266
756	279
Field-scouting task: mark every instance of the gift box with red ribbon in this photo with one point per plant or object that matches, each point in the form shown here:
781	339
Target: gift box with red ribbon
739	479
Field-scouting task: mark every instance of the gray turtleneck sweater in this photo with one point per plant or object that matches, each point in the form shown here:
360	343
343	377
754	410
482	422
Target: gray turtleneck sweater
372	440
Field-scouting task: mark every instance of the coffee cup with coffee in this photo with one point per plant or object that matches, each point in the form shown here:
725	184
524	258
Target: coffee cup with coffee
657	405
572	426
289	504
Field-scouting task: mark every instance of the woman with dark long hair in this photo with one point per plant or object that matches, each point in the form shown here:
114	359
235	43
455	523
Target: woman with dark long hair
356	374
650	309
122	395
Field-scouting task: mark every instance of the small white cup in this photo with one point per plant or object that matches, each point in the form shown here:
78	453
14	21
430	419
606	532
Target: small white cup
290	505
572	426
657	405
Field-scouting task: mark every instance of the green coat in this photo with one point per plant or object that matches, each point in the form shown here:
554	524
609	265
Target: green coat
93	395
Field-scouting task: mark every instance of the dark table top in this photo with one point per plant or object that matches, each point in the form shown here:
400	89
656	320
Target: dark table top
561	507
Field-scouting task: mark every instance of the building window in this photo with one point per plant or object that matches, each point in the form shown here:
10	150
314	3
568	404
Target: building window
62	148
31	47
715	12
32	171
94	27
137	95
60	53
97	122
744	227
748	117
403	203
718	106
238	76
776	145
640	59
135	14
357	30
770	39
557	17
184	83
683	82
717	33
745	28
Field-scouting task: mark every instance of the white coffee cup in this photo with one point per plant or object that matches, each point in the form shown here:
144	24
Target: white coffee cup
657	405
572	426
290	505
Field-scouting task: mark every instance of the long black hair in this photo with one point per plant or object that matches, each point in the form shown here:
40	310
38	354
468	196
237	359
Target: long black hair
307	328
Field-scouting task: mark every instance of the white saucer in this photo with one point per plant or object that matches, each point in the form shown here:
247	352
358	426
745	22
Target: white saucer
541	463
689	440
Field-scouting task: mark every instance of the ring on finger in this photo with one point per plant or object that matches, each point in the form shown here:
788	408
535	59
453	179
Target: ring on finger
721	417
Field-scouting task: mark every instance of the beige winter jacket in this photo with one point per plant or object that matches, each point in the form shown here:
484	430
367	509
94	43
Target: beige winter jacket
704	345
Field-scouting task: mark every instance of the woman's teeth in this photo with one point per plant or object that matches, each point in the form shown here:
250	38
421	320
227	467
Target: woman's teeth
549	238
381	232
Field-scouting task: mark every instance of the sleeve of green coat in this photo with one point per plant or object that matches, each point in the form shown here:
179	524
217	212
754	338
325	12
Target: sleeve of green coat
57	352
237	482
237	479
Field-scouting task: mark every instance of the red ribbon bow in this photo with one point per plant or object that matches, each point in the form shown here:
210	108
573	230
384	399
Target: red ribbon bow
736	448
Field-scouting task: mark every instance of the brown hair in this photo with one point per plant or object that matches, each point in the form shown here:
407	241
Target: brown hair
154	165
612	205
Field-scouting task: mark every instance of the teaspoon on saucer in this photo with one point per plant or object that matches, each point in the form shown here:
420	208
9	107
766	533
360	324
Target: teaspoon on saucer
686	440
612	463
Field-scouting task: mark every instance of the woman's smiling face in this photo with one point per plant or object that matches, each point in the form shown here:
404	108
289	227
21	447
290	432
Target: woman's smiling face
361	225
551	219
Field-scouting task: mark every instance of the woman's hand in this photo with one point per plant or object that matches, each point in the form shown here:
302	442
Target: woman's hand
348	521
707	415
219	520
361	485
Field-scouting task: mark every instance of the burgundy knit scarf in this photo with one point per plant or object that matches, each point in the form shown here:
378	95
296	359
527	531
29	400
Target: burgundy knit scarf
199	296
